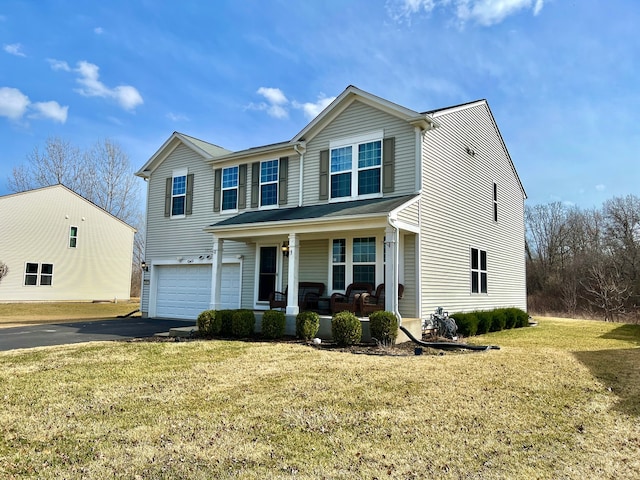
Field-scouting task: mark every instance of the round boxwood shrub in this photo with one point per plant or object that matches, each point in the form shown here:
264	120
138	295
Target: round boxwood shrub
346	329
307	325
209	323
384	327
273	323
225	318
498	320
484	321
242	323
467	323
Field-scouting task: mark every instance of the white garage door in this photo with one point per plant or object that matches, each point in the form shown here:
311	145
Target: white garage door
185	290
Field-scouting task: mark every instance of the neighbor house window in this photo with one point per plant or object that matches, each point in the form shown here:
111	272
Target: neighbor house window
38	274
478	271
495	202
73	237
364	260
269	183
356	166
230	188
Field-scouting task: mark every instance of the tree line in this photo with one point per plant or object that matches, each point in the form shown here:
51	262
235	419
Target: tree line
584	262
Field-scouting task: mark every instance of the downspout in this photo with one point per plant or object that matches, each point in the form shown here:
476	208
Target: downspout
300	149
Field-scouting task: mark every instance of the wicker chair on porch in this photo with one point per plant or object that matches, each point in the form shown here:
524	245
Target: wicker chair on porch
370	303
349	300
308	295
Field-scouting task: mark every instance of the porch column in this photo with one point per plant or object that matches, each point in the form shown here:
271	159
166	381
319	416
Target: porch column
292	277
216	273
391	269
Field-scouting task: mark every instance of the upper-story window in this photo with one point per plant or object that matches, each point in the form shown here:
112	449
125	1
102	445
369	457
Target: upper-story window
230	188
269	183
179	194
73	237
38	274
356	166
495	202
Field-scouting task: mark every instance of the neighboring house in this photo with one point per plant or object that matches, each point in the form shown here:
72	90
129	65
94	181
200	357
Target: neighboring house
368	191
59	247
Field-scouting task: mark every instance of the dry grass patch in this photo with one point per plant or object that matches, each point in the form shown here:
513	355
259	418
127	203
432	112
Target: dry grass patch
537	408
21	314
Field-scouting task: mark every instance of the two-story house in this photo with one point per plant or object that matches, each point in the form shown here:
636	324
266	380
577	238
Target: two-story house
369	191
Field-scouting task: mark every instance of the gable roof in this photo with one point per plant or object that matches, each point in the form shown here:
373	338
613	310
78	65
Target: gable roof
206	150
68	190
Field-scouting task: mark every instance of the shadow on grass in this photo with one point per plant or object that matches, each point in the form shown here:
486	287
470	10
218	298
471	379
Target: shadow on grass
617	370
627	333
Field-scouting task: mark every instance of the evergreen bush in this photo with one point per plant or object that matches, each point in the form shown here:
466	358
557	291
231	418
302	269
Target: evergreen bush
484	321
273	324
467	323
307	325
346	328
226	317
242	323
209	323
384	327
498	320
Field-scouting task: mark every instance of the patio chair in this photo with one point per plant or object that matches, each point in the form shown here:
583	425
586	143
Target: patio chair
370	303
308	295
349	300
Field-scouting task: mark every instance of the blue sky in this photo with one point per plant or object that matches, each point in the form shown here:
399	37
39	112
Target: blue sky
561	77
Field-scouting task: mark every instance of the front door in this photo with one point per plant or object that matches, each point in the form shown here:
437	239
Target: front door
268	271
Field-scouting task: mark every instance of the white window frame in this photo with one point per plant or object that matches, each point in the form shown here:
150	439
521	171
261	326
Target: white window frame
349	262
354	142
73	239
495	201
270	182
224	189
183	172
39	274
479	271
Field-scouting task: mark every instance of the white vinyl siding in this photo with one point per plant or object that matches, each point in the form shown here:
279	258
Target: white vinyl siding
461	217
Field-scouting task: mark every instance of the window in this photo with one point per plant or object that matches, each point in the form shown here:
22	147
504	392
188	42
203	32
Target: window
230	188
339	264
269	183
354	260
356	166
73	237
478	271
495	202
38	274
178	195
364	260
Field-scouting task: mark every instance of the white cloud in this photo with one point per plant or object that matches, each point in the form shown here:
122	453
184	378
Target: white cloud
177	117
52	110
600	187
276	102
98	30
14	104
311	110
14	49
127	96
483	12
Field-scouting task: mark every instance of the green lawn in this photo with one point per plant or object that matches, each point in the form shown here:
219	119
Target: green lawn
560	400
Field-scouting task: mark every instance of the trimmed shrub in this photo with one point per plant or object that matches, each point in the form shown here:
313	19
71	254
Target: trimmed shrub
242	323
498	320
484	321
307	325
384	327
225	317
273	323
522	318
346	328
209	323
467	323
511	316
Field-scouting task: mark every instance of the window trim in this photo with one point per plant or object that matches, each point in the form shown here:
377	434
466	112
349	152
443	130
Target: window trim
495	202
73	239
38	274
478	271
355	142
183	172
275	182
224	189
349	262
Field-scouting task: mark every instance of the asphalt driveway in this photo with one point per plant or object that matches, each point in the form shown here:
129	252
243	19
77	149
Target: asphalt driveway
89	331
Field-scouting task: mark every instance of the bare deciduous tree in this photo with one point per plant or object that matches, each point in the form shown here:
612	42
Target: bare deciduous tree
4	270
